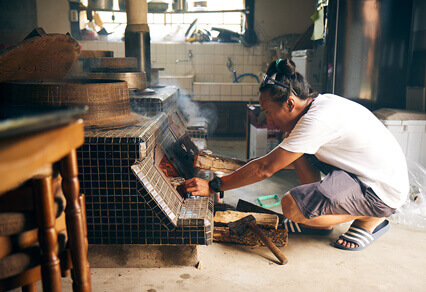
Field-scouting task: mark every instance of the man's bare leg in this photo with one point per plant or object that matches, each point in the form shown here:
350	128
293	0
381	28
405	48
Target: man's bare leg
292	212
305	171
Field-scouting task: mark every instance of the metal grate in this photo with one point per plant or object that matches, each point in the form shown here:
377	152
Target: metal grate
164	100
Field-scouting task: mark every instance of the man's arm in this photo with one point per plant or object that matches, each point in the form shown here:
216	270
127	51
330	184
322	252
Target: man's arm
254	171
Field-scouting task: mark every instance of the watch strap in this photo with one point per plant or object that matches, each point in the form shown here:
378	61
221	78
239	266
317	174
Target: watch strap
215	184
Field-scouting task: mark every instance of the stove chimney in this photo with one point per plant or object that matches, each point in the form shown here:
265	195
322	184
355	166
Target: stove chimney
137	40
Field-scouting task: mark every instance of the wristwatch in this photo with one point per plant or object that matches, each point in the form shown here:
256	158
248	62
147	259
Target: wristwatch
215	184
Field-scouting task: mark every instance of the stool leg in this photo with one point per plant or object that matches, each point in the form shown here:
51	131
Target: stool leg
83	216
75	227
50	268
30	287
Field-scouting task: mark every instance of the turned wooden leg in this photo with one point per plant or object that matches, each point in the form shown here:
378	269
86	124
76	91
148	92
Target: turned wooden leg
30	287
75	226
50	268
83	217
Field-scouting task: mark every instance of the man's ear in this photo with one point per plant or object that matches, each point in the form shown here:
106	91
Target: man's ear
289	104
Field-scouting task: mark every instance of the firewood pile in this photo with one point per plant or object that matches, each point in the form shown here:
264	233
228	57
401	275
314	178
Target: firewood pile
267	222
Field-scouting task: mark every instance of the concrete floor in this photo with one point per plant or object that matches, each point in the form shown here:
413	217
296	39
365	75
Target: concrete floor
396	262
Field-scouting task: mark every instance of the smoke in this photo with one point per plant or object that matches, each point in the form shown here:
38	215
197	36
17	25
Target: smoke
136	105
195	112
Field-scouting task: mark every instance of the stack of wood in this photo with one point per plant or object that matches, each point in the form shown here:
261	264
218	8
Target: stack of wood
267	222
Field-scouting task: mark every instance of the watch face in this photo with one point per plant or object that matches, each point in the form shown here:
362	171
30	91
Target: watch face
215	184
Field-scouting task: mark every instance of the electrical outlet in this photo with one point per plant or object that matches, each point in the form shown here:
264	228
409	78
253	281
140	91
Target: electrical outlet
73	15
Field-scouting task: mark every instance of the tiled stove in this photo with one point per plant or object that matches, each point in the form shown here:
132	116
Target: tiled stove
163	100
129	200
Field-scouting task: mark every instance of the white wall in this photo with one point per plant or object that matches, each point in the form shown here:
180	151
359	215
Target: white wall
274	18
53	16
208	63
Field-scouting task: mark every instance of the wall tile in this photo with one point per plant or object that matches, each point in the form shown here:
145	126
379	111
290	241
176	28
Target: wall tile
202	49
211	59
246	90
236	90
189	69
217	69
225	90
217	78
161	48
219	49
201	60
205	89
214	90
181	57
180	69
238	60
226	98
170	58
209	50
197	89
181	50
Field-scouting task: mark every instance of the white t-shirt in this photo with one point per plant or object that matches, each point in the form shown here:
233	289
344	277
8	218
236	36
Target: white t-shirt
345	134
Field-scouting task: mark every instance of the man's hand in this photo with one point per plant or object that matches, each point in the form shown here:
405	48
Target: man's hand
196	186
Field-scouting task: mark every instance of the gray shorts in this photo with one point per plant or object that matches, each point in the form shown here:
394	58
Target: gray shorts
339	192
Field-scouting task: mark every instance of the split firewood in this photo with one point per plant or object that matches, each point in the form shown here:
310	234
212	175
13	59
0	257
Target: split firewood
222	234
269	221
217	163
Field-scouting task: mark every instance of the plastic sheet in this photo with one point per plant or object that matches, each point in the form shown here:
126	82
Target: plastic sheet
413	212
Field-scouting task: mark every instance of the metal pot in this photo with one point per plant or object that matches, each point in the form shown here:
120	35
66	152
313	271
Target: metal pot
155	76
101	4
154	7
180	5
122	5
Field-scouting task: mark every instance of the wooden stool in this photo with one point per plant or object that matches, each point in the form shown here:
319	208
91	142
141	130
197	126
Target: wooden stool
20	158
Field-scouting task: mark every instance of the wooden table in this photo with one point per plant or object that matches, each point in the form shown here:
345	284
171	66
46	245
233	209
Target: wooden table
28	157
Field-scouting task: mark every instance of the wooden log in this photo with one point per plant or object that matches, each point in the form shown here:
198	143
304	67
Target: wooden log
244	206
262	220
217	163
222	234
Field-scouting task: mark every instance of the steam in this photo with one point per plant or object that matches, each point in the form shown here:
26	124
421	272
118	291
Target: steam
206	112
135	105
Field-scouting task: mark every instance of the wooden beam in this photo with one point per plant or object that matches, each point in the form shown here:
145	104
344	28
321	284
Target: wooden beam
244	206
262	220
217	163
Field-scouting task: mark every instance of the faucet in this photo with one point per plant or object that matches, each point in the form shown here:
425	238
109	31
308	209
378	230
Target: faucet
190	55
230	65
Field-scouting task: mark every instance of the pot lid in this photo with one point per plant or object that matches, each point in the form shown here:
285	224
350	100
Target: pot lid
39	56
